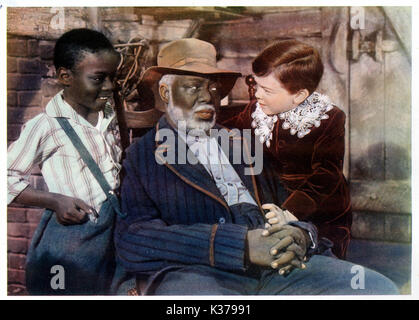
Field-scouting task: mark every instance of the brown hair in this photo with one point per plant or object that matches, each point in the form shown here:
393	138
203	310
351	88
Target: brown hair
296	64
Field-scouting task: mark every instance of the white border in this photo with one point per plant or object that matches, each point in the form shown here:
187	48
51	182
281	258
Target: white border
319	3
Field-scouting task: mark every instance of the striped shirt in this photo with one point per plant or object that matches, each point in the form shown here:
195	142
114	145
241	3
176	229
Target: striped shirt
44	143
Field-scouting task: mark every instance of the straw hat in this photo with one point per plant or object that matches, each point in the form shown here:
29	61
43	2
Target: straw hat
188	56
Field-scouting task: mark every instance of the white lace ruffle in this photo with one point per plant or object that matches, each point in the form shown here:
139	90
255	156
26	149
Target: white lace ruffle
299	120
307	114
263	125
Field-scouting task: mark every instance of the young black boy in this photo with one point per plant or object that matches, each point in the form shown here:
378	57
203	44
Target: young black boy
74	234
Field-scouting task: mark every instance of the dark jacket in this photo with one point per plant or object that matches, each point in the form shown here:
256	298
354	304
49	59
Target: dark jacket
176	214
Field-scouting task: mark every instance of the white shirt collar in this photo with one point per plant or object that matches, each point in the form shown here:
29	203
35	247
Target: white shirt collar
57	107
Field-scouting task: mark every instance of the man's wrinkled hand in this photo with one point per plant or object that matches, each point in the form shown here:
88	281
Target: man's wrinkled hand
259	248
289	252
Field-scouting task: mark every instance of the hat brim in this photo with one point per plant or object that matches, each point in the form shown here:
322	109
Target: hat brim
148	85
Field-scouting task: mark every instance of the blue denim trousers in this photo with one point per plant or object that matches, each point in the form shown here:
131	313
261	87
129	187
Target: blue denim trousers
322	276
84	252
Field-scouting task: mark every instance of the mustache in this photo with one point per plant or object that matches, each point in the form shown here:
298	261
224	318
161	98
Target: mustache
204	106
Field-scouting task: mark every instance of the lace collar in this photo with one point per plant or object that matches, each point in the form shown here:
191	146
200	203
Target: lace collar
299	120
263	125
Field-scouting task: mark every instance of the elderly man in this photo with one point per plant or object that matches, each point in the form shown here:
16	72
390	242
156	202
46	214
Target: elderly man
195	222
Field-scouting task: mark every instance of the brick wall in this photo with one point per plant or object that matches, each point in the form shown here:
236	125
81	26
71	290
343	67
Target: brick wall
30	85
29	80
22	223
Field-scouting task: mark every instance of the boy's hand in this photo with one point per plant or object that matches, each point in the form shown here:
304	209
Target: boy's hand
276	216
71	210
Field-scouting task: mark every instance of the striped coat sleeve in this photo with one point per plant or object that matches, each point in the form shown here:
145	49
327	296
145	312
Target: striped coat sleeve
144	242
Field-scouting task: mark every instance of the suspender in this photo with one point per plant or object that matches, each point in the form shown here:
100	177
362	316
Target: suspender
91	164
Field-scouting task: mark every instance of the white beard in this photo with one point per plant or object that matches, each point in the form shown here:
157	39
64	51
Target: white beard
178	115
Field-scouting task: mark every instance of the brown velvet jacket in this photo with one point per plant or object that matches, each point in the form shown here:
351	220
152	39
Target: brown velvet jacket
311	169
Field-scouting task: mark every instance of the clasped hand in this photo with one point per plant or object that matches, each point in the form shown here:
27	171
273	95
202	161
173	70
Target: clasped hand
280	246
290	250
